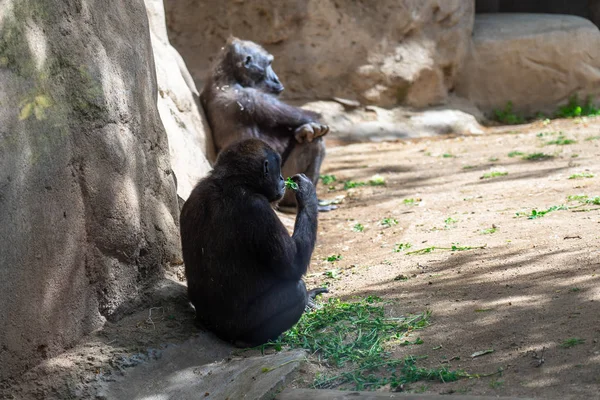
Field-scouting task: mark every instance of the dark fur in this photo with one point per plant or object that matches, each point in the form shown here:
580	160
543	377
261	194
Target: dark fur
240	101
243	269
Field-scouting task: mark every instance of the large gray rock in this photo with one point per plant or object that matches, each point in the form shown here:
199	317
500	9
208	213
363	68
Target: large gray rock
376	124
87	198
534	60
388	53
189	136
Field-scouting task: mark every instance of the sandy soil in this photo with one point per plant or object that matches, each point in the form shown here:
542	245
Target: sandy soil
534	285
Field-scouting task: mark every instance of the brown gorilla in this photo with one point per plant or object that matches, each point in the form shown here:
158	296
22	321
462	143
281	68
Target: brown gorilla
240	102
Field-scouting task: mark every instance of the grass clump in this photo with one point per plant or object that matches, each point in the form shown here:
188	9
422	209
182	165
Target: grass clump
411	202
538	214
489	231
516	153
388	222
334	258
576	109
507	116
572	342
582	175
454	247
358	228
561	140
590	138
493	174
377	180
353	184
401	246
537	156
328	179
352	339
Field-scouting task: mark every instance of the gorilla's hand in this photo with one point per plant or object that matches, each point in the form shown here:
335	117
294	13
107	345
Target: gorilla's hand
310	131
306	192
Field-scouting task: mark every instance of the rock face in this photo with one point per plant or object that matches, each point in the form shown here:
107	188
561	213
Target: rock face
395	52
87	198
189	136
534	60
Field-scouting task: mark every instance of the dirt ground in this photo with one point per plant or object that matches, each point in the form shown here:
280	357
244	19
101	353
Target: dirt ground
533	286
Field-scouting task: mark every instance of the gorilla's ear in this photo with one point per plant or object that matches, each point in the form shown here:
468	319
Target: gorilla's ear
266	168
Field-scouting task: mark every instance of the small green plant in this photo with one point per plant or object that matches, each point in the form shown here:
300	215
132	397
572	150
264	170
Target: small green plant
353	184
575	290
469	166
537	156
489	231
496	383
334	258
577	197
358	228
455	247
507	116
538	214
561	140
331	274
493	174
377	180
290	184
401	246
328	179
590	138
388	222
575	109
516	153
450	221
448	155
493	159
571	342
582	175
411	202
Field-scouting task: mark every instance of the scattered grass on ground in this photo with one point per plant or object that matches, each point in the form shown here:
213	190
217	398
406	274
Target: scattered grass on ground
352	184
590	138
582	175
377	180
401	246
328	179
334	258
561	140
537	156
571	342
455	247
493	174
411	202
388	222
358	228
515	153
540	213
353	339
489	231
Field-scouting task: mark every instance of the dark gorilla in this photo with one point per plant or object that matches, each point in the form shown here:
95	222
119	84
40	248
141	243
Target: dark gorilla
240	102
243	269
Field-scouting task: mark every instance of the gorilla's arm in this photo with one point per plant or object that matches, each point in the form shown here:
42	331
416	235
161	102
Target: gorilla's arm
287	257
268	112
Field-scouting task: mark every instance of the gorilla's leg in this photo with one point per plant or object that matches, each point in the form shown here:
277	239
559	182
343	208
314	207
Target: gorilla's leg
273	313
306	158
